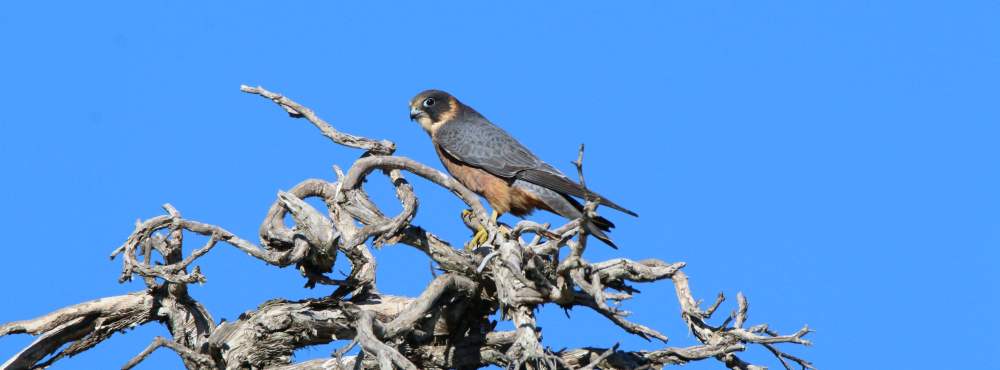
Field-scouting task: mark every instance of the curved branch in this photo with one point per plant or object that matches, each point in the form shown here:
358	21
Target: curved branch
385	354
186	353
294	109
364	166
447	326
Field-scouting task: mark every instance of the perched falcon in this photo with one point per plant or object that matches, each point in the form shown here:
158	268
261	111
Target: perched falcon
491	163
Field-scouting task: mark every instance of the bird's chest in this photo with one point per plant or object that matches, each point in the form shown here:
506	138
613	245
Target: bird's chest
494	188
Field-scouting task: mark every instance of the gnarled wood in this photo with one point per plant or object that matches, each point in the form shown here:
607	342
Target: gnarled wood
447	326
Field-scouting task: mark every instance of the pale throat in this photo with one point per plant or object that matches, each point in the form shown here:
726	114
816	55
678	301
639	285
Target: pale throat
431	126
426	123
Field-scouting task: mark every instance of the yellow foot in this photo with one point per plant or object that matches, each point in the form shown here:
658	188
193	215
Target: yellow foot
482	235
478	239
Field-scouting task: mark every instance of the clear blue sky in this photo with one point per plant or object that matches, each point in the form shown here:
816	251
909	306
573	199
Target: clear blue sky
836	162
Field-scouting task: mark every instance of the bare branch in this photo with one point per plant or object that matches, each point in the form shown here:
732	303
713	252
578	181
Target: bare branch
363	166
384	147
185	352
83	325
449	325
427	301
386	355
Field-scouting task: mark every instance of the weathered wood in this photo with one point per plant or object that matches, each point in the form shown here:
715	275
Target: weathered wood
447	326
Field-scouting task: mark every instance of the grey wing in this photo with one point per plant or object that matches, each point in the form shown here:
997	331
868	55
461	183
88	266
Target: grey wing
478	142
553	179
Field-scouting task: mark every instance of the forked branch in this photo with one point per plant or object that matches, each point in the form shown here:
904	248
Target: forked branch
450	325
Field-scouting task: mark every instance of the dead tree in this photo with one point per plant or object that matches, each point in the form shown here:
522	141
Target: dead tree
517	270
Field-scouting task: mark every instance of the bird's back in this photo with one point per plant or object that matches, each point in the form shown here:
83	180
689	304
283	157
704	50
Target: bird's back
476	141
472	139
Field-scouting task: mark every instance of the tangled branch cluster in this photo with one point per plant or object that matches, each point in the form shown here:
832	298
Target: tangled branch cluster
447	326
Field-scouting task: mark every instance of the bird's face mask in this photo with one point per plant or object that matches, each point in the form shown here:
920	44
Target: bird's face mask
431	108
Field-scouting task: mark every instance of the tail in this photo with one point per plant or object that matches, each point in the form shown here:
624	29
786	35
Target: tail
566	206
597	226
562	184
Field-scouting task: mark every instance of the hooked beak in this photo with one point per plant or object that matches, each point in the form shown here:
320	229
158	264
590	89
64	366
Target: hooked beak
414	113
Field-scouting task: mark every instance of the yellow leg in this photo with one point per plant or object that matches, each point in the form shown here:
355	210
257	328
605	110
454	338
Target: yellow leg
478	239
481	235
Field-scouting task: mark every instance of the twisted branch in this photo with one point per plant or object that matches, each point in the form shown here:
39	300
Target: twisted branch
447	326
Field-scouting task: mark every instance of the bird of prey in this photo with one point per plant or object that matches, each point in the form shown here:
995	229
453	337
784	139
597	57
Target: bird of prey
492	163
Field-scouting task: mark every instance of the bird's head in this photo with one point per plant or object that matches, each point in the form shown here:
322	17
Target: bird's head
432	108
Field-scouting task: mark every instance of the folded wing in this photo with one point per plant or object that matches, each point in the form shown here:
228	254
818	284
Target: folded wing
474	140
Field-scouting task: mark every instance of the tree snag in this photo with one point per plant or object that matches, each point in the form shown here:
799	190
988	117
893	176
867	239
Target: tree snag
448	326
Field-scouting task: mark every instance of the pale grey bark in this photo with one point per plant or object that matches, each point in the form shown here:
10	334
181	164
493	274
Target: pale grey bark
447	326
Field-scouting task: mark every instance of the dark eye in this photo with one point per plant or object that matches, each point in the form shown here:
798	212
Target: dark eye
429	102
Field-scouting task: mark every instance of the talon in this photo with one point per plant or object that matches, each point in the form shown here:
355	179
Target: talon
478	239
482	235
